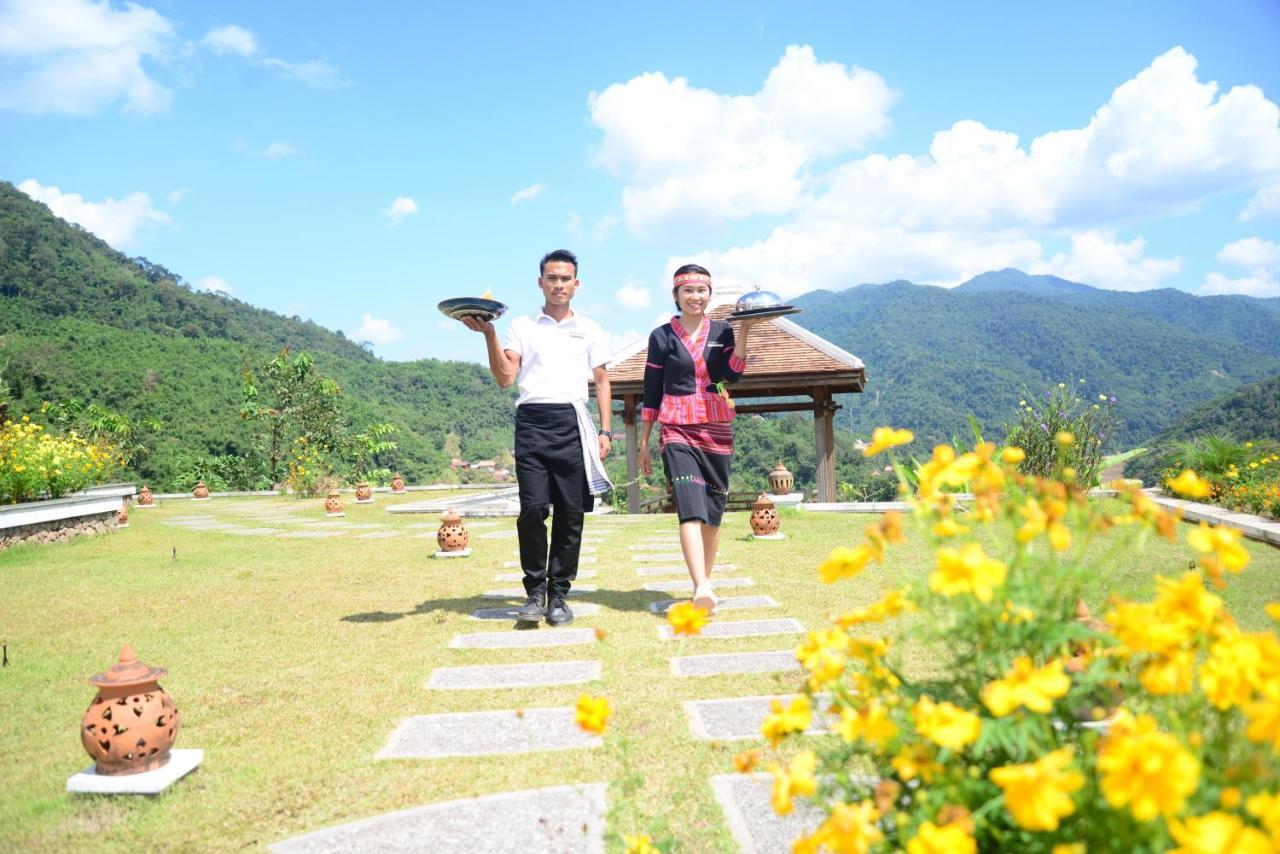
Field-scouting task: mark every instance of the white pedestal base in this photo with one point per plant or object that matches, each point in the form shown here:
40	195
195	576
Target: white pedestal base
143	506
778	536
122	527
335	515
180	764
791	499
364	500
203	499
465	552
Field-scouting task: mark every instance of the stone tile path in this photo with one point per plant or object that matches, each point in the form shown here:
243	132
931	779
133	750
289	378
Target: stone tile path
486	734
519	576
537	675
679	569
756	828
720	663
685	584
519	593
737	718
727	603
523	639
740	629
580	609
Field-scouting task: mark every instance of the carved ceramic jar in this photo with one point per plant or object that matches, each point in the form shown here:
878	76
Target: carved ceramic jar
132	723
122	516
364	492
333	504
452	535
781	481
397	484
145	498
764	517
201	491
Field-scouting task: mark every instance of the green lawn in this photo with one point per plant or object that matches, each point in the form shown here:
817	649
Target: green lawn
292	660
1116	459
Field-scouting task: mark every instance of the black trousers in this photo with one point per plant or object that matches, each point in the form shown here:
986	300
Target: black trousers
551	476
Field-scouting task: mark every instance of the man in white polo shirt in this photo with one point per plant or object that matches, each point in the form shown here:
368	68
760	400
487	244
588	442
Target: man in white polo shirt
551	355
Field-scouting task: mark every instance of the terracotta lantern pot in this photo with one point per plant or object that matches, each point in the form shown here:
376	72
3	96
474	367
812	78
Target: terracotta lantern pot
145	498
452	535
764	517
201	491
131	724
122	516
397	484
781	481
364	492
333	504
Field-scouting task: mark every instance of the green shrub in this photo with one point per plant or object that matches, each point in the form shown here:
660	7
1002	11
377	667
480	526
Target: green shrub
1060	431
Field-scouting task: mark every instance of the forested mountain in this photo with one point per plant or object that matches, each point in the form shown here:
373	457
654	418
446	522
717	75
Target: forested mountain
935	355
79	319
1250	413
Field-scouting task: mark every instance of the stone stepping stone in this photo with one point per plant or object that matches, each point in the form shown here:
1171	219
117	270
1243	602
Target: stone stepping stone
379	535
497	535
728	603
542	674
717	664
739	629
735	718
680	569
519	592
486	734
327	525
365	525
745	800
523	638
662	556
253	532
582	561
312	534
580	609
519	576
654	547
555	819
684	584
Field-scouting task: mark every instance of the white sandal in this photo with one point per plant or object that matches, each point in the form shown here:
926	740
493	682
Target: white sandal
705	598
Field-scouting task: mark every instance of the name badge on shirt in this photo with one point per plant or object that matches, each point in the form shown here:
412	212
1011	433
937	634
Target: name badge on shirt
578	334
715	343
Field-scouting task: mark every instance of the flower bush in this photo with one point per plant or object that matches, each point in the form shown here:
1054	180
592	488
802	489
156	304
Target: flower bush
1240	476
1037	728
1044	422
35	464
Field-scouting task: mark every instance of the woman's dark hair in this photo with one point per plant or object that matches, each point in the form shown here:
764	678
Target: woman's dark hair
558	255
692	268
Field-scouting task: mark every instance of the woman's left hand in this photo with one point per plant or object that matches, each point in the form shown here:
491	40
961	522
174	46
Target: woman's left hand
605	441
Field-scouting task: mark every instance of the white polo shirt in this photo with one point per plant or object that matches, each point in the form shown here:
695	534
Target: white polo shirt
556	359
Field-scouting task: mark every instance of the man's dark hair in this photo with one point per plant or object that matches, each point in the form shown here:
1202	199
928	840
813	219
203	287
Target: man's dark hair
691	268
558	255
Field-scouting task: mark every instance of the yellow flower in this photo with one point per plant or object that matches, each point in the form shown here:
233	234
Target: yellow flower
914	761
1187	602
1146	770
796	780
1221	548
949	527
686	618
1217	833
781	722
949	839
870	723
1239	665
945	724
850	829
1265	807
822	654
1038	794
1190	485
1273	610
1230	798
1069	848
1013	455
592	713
1264	721
639	844
1169	674
844	563
894	603
746	761
1139	627
1065	438
884	438
1025	685
968	570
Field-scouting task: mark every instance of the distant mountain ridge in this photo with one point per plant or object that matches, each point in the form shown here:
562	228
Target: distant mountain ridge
1010	279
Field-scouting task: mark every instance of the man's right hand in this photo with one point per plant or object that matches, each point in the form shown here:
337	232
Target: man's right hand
475	324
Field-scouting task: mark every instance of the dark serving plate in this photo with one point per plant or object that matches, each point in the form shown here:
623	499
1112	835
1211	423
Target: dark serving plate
460	307
764	311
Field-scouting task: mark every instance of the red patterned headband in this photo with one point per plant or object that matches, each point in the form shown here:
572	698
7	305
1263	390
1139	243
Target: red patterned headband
687	278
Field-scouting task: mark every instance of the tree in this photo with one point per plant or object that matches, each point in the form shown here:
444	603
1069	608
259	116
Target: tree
299	403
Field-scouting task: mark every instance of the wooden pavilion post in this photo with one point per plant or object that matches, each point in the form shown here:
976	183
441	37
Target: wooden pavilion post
824	410
633	462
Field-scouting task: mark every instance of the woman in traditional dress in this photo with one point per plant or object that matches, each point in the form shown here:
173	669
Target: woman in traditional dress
690	359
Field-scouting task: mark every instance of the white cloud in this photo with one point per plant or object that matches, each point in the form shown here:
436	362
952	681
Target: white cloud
231	39
1096	257
400	208
176	196
1251	252
377	330
239	41
1261	257
604	227
691	155
528	194
278	148
1265	204
978	199
633	294
117	221
215	284
77	56
573	225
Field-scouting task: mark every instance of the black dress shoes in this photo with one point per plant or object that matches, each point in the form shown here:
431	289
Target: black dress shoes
558	613
532	610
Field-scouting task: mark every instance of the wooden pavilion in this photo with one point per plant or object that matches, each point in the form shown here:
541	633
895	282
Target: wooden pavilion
786	361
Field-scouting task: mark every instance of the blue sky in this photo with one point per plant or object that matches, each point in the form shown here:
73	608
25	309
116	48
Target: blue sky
356	163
